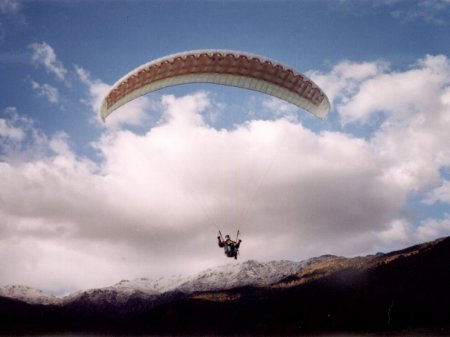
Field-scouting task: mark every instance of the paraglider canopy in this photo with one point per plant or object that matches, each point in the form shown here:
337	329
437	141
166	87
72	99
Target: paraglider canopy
224	67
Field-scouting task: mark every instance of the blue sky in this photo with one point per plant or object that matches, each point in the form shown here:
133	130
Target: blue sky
86	204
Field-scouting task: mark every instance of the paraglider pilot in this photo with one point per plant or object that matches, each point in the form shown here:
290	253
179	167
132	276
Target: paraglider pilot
231	248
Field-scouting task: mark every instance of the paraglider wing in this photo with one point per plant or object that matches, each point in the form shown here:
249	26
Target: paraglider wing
230	68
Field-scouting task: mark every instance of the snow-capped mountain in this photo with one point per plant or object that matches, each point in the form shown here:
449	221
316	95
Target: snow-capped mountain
248	273
396	291
119	293
28	295
243	274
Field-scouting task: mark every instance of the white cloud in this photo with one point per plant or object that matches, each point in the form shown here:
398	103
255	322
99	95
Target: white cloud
439	194
433	228
154	203
401	233
133	113
401	94
413	140
397	232
157	200
44	55
280	108
47	91
19	139
8	129
345	77
412	109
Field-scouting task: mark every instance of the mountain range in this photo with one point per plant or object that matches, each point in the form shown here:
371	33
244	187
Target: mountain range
248	273
405	290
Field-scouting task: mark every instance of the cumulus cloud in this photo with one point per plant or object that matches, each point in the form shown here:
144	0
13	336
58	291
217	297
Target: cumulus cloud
345	77
157	199
434	228
18	137
8	130
412	110
154	202
42	54
439	194
411	141
402	94
135	113
280	108
401	233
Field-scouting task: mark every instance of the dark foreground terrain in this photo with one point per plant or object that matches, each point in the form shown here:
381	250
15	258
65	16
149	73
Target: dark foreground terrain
407	290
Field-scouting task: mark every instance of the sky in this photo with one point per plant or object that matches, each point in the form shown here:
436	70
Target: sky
85	204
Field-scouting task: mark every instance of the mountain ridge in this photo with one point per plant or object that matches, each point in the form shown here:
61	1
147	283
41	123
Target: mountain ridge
403	289
223	277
